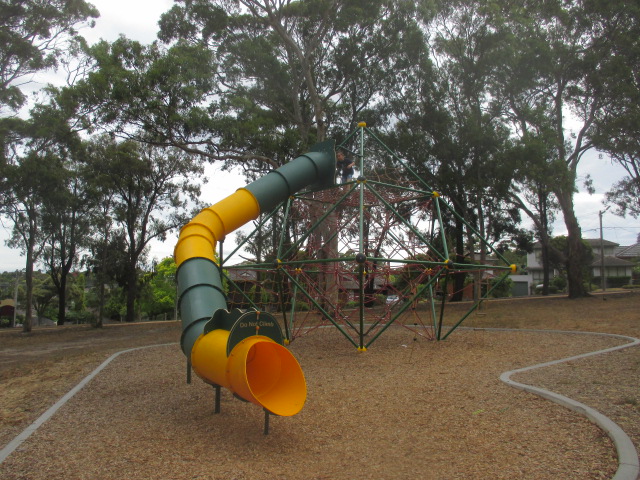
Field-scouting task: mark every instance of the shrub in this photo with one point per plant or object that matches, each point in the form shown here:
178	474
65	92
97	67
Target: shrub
503	290
81	317
302	307
560	283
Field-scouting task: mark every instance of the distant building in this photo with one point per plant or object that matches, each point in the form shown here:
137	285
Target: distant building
618	269
630	253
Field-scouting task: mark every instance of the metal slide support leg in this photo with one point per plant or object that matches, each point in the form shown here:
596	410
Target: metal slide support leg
267	414
188	371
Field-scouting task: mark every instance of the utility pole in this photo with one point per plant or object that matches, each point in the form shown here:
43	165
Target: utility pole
603	280
15	299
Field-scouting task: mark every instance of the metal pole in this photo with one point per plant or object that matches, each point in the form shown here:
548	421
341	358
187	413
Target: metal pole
266	421
362	255
603	280
15	299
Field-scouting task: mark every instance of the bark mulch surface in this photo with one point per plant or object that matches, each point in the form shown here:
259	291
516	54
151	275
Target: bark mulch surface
404	409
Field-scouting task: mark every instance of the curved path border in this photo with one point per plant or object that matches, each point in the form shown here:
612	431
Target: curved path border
26	433
628	465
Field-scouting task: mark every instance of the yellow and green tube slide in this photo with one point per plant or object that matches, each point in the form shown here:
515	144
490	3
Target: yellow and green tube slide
242	351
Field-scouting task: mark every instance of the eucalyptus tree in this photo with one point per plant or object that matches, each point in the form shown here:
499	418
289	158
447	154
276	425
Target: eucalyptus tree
294	72
34	36
553	83
154	190
32	179
531	192
103	250
451	129
67	222
44	294
618	125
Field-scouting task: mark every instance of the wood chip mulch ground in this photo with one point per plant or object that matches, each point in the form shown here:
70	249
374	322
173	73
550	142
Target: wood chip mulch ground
405	409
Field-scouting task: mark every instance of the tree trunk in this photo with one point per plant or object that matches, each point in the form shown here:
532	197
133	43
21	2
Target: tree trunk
575	258
62	299
101	304
132	284
459	277
26	324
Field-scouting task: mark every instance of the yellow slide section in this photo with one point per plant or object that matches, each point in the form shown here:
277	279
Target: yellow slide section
198	238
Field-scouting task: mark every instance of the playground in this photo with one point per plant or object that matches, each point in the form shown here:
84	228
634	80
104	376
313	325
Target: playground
404	409
360	263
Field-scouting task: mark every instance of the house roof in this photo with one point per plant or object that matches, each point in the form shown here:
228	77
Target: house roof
631	251
595	242
610	261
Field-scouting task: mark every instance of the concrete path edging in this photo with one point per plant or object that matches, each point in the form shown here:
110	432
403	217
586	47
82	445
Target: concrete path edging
26	433
628	464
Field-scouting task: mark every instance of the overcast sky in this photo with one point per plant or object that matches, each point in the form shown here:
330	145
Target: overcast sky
138	19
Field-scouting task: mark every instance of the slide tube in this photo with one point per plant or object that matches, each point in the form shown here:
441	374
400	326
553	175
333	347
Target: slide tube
242	351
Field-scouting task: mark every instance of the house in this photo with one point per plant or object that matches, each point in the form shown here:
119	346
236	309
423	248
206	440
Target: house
630	253
617	269
534	265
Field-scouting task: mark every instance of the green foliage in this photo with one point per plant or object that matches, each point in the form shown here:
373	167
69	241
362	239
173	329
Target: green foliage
559	256
559	283
302	306
158	295
624	194
503	289
254	87
81	317
33	37
44	294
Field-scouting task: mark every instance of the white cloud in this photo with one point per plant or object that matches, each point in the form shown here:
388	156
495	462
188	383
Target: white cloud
137	20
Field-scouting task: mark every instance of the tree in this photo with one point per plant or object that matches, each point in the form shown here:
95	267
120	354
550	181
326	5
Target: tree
531	190
104	256
617	129
33	37
44	294
558	64
559	257
152	190
32	180
295	73
451	129
159	290
66	221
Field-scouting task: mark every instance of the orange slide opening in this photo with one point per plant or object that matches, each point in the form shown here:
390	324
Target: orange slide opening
267	374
